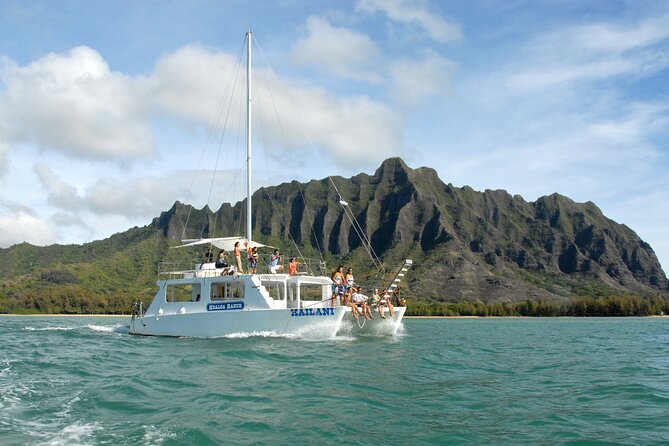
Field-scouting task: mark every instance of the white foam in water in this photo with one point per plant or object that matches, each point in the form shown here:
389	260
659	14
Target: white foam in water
73	434
122	329
258	334
153	436
49	328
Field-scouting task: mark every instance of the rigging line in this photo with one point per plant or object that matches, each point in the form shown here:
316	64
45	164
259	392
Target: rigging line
274	206
358	230
285	143
229	90
311	221
222	138
363	236
236	170
365	240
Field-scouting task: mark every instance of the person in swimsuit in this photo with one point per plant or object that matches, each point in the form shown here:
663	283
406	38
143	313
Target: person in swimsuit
338	285
238	258
292	267
384	301
253	260
349	279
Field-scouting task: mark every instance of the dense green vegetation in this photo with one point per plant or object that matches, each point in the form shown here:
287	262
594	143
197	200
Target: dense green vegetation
581	306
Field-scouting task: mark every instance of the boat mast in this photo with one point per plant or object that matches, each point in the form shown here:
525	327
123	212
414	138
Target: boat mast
248	136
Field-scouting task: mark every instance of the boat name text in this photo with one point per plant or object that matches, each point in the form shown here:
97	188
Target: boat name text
226	306
312	312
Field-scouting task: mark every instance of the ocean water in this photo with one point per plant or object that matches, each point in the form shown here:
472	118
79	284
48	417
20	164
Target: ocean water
84	380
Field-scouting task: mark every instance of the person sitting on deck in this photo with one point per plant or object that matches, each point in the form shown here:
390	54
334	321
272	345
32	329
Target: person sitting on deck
220	261
208	256
359	305
292	267
346	297
384	301
222	264
373	301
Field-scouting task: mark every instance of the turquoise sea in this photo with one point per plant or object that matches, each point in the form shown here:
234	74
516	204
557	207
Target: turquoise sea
84	380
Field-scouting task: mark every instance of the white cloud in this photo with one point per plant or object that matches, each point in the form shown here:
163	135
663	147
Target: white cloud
639	121
343	129
593	52
192	81
415	80
60	194
414	12
129	197
73	103
21	224
346	130
338	51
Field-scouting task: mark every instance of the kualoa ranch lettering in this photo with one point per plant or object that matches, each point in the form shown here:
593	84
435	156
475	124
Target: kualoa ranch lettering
226	306
312	312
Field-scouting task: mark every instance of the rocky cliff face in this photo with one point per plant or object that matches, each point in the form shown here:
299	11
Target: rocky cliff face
467	245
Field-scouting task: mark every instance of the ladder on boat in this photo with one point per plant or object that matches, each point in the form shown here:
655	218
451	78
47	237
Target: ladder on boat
398	278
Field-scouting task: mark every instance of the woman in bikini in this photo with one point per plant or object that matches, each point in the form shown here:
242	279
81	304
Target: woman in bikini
338	285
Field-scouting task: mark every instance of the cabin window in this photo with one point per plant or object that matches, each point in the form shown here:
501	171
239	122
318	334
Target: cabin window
275	290
308	292
227	290
183	292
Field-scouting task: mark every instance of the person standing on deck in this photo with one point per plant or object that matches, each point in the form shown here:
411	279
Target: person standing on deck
349	279
338	285
253	260
238	258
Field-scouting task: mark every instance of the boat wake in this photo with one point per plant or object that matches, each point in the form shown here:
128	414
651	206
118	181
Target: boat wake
257	334
49	328
118	328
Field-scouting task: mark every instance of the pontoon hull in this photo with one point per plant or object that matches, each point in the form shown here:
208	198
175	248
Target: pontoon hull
374	327
218	324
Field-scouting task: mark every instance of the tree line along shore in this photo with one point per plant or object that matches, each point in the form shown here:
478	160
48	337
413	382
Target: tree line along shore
74	301
614	306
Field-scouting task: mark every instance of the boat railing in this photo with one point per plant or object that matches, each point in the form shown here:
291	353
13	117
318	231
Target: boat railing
312	267
176	269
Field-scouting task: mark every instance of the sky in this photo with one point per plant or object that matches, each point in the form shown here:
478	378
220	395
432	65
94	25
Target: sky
110	111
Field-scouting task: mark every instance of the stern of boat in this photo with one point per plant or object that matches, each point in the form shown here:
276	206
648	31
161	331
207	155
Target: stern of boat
372	327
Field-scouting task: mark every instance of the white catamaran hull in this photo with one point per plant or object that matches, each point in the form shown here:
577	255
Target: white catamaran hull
319	323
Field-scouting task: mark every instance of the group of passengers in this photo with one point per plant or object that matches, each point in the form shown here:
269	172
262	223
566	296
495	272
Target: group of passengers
346	293
275	261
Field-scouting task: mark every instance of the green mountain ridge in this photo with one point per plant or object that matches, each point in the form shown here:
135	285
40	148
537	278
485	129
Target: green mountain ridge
468	246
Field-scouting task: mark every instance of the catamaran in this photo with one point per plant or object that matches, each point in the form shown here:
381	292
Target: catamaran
209	301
